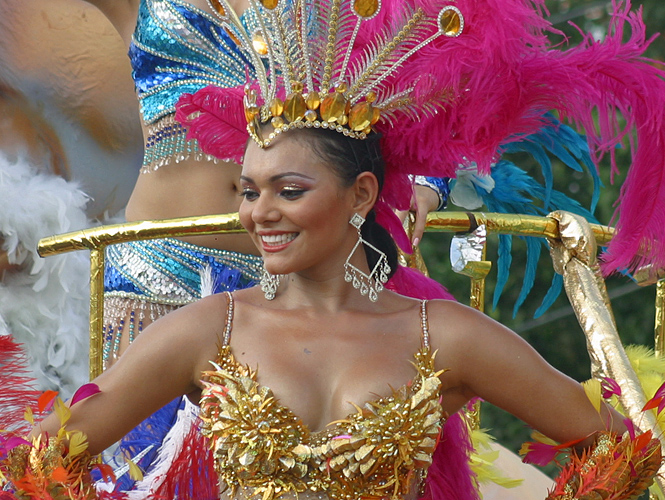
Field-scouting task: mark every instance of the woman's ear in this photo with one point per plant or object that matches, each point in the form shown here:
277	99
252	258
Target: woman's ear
365	193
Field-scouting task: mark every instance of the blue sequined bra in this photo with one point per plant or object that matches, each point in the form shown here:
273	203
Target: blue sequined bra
177	48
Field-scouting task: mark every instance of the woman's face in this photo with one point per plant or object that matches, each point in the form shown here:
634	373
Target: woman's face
295	208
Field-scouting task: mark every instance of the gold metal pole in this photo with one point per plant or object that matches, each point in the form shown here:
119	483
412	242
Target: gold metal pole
659	331
87	239
96	310
519	225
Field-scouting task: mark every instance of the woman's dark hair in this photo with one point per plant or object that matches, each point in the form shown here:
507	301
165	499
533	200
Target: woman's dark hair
348	158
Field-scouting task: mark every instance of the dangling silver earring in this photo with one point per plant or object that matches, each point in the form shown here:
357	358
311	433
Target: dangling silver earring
369	284
269	284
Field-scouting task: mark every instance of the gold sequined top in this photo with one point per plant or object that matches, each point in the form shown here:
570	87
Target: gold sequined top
381	451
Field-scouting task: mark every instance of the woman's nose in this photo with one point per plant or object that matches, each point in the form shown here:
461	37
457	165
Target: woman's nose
265	209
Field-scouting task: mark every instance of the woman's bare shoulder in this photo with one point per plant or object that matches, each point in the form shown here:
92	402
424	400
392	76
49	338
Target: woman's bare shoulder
454	324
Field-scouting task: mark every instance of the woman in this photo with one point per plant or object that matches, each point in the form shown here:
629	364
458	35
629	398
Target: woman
289	371
175	47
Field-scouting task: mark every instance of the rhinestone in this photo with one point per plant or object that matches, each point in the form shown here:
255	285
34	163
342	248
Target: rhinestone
233	36
259	43
276	106
451	21
366	8
376	115
277	121
270	4
333	107
313	100
217	5
295	107
310	115
361	116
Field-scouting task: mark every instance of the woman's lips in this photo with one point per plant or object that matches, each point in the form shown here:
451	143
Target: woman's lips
275	242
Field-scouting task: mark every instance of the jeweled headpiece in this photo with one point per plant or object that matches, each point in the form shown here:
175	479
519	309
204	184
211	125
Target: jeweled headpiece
447	83
314	74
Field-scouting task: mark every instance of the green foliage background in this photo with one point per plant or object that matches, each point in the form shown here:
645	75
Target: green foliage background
556	334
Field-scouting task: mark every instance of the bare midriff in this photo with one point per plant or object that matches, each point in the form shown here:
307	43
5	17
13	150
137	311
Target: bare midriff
191	187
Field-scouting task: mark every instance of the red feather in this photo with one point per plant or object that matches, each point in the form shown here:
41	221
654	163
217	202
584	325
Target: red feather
16	388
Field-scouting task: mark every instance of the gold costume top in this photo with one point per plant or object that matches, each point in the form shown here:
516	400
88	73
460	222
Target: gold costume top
382	450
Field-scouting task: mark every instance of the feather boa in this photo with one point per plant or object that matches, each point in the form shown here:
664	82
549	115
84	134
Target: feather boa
44	305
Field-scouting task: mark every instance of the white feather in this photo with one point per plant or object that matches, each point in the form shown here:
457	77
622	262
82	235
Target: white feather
169	451
45	304
207	281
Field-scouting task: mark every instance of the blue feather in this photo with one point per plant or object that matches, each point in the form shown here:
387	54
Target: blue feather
517	192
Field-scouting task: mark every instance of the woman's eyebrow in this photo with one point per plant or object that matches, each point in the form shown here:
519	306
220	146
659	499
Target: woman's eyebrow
290	174
277	177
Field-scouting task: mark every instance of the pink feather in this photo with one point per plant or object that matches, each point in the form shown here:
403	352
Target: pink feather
412	283
493	84
84	392
16	387
450	477
215	117
496	93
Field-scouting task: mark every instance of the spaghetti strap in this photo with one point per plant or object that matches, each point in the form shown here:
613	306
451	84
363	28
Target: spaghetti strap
229	320
424	324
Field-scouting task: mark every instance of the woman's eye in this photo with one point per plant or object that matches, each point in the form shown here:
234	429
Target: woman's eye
292	193
249	194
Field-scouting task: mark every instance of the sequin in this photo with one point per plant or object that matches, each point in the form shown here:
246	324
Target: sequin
154	277
177	48
263	448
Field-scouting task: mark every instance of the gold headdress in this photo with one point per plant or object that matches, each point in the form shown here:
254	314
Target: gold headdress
311	73
441	100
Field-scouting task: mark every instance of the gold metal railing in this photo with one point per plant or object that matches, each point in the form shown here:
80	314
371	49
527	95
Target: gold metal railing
97	239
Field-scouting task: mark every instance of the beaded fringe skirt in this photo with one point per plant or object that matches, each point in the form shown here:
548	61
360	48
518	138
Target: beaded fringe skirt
147	279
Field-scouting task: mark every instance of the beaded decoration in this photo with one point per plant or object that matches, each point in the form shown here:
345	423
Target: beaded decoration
177	48
145	280
326	81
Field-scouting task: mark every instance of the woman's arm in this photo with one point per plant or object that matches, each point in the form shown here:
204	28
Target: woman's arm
490	361
164	362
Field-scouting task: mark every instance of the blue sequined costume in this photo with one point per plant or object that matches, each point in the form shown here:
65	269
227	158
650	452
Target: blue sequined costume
176	48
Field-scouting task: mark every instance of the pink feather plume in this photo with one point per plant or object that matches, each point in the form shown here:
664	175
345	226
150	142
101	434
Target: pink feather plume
501	75
494	83
215	117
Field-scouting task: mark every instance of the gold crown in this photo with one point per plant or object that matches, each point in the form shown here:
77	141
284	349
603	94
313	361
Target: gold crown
310	110
310	44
